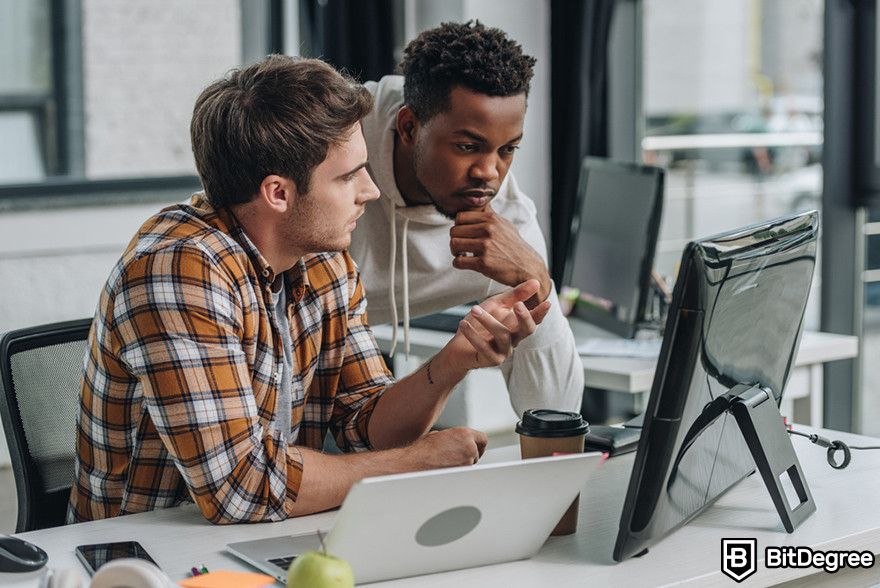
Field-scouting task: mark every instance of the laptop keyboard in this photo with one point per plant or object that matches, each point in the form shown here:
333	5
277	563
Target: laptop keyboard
283	562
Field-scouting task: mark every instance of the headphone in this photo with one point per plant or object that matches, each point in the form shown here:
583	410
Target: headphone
127	573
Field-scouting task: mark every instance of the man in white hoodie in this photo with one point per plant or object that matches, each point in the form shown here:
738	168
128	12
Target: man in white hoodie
452	226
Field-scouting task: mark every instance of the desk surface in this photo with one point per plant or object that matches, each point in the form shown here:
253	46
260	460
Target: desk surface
627	374
847	517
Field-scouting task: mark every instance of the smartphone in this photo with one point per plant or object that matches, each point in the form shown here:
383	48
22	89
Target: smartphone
94	556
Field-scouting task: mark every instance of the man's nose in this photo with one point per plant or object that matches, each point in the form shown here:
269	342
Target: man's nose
486	169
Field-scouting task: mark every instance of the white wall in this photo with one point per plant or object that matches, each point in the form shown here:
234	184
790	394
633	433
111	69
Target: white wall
144	64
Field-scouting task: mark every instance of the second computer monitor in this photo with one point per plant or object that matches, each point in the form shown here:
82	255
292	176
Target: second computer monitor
613	237
730	343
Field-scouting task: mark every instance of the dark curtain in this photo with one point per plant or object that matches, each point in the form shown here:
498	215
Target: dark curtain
355	35
579	107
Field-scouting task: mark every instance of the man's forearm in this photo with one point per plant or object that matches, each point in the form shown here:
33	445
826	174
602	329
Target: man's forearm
328	478
546	371
409	408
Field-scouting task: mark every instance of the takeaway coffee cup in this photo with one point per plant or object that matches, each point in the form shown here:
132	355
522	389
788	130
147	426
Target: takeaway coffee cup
545	432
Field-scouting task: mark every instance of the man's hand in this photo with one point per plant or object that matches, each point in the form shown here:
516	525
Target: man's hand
448	448
488	334
485	242
486	337
328	478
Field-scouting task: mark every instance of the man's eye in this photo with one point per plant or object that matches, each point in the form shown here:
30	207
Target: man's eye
466	147
509	149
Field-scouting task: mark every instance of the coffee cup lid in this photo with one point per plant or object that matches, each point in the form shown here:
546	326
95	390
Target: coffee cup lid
551	423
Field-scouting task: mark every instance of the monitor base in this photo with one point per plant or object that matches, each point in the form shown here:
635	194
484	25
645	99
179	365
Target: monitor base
764	431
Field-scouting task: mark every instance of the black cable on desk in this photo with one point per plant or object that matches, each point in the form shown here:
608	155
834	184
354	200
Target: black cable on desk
833	446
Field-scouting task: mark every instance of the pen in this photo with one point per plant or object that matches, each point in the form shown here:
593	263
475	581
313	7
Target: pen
204	570
195	571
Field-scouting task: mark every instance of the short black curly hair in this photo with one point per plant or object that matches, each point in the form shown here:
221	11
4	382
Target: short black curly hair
483	60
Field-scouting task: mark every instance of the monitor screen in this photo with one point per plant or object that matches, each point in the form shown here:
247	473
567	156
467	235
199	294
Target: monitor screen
611	248
736	318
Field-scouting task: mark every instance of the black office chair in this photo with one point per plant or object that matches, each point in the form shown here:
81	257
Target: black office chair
41	368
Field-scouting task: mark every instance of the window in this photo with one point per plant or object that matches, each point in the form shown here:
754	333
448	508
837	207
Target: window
732	102
101	89
27	101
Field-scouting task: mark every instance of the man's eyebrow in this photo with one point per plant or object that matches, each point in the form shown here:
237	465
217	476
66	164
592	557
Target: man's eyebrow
470	135
352	172
479	138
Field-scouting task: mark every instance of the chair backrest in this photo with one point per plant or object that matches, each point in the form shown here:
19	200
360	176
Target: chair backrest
41	368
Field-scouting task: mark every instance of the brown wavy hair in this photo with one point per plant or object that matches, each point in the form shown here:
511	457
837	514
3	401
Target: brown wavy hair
276	117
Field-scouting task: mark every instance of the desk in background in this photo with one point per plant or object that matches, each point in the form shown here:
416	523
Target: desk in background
481	401
847	517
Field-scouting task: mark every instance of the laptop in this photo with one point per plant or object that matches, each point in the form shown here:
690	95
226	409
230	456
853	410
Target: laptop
439	520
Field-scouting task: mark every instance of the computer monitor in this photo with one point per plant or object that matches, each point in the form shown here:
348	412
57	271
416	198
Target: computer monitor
612	242
731	338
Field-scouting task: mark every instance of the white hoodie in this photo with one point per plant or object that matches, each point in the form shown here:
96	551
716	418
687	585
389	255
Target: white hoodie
406	267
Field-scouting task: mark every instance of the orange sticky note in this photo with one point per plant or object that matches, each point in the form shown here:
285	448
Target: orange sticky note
224	579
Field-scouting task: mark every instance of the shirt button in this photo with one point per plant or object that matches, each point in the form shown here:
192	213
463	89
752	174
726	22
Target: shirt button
277	376
266	273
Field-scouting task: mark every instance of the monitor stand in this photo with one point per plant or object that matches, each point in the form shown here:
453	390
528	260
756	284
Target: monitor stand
760	422
762	427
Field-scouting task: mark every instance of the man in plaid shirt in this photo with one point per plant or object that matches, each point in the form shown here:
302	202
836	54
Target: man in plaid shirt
232	334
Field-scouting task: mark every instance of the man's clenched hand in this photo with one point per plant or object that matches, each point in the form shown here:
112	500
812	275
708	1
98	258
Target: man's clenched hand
487	243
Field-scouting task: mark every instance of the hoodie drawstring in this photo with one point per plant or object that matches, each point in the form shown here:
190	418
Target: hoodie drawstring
391	296
404	240
391	264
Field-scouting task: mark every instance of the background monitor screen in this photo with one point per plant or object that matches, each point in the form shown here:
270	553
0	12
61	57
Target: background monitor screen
736	318
613	237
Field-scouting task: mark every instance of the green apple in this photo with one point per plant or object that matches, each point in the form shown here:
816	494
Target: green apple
314	569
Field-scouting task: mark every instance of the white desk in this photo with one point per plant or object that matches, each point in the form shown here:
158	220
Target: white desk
847	517
804	394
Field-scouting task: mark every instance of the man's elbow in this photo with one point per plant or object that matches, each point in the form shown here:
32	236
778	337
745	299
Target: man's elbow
219	512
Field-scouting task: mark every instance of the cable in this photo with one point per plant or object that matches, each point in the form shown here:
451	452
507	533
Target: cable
833	446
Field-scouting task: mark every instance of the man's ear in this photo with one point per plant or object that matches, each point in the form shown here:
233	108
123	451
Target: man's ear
277	193
407	125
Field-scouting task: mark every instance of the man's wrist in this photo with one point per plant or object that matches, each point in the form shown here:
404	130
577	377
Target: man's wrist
445	369
543	277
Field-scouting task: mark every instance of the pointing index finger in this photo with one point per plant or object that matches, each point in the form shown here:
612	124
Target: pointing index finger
521	292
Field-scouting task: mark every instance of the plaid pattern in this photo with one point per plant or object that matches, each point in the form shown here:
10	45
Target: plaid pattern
184	366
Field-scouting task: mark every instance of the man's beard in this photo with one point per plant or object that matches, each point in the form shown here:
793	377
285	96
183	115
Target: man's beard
417	164
437	207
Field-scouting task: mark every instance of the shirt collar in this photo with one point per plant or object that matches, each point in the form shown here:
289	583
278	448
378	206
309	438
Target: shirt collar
297	277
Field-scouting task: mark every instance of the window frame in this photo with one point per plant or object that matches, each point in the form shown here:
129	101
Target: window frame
264	24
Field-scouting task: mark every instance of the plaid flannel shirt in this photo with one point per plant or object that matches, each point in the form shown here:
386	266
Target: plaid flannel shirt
184	366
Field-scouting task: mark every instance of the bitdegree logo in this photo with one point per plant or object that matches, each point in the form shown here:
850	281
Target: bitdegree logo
805	557
739	558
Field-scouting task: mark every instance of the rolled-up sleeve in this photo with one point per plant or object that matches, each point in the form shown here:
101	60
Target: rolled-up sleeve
364	376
